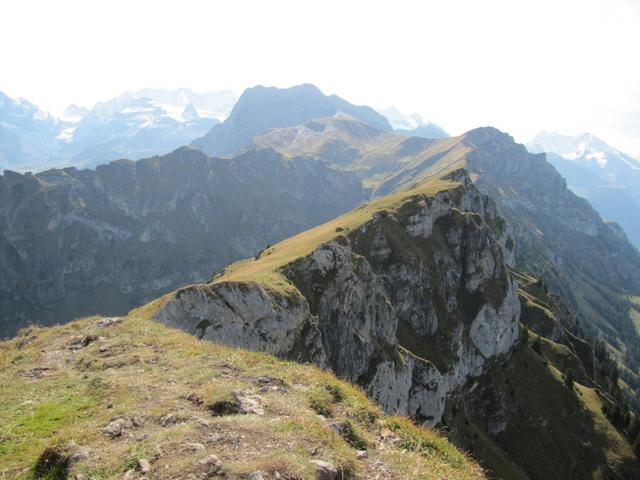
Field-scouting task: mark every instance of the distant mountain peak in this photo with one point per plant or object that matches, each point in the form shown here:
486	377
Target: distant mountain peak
607	177
190	113
29	135
132	125
262	108
170	103
301	88
486	135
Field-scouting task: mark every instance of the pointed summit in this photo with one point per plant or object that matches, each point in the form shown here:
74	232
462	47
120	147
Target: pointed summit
190	113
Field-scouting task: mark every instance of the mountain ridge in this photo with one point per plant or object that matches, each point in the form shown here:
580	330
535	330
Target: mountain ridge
596	271
79	241
345	275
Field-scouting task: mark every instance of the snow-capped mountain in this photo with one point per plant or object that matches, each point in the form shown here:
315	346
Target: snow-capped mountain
402	121
412	124
144	123
133	125
586	149
216	105
28	136
607	177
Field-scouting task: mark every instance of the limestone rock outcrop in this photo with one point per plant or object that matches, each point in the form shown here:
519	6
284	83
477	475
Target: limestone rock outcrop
409	304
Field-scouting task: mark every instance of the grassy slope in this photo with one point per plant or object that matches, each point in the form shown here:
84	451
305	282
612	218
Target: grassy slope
267	268
567	429
345	141
145	370
377	155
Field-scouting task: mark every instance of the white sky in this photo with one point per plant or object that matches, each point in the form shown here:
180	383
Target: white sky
562	65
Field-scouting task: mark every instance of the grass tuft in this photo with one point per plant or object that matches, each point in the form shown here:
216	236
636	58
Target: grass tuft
424	441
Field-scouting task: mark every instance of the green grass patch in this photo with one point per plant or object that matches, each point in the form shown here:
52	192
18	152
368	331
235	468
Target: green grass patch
424	441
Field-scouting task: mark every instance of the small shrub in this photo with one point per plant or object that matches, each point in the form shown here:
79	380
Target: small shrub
221	408
569	378
53	464
424	441
364	415
350	434
223	404
321	400
321	404
336	392
537	346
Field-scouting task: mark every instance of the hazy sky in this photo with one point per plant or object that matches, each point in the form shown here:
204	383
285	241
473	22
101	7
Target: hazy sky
568	66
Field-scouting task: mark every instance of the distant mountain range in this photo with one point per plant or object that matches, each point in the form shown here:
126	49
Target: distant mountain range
605	176
151	122
134	125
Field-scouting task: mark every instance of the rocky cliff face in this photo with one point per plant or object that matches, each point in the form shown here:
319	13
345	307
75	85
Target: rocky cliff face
75	242
564	241
562	225
408	303
560	238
